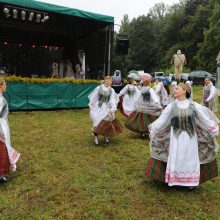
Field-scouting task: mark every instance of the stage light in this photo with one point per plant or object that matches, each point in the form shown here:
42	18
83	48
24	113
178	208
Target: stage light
23	14
20	45
6	11
45	46
38	18
31	16
15	13
33	46
45	18
5	43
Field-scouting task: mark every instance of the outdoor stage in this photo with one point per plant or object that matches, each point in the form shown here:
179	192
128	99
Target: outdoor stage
36	36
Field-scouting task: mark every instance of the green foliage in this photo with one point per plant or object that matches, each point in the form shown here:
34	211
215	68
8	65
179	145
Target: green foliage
159	11
190	25
125	27
50	80
143	43
121	62
197	13
210	47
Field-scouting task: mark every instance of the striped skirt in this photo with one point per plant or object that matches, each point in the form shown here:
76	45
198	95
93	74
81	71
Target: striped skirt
156	170
108	128
121	107
138	122
4	160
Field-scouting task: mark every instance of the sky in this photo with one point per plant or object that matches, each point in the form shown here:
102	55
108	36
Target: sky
115	8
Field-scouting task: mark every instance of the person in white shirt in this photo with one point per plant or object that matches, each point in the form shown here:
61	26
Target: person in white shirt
129	93
8	155
183	143
146	109
161	92
103	103
209	93
116	78
189	83
172	89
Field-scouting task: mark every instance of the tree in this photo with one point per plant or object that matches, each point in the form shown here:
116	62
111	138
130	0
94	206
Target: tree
196	16
143	43
125	25
159	11
190	25
209	48
121	62
171	38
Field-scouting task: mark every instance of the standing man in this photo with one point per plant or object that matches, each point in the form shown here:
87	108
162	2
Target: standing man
179	60
209	92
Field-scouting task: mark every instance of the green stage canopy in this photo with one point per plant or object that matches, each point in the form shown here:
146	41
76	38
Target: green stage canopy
59	9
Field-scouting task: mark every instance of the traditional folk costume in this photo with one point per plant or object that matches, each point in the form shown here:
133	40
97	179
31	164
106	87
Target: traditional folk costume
61	69
78	71
209	97
162	93
172	89
55	70
69	70
104	100
8	156
129	93
116	78
146	109
188	83
183	145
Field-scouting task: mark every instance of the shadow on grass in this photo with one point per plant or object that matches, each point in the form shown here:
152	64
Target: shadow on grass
163	187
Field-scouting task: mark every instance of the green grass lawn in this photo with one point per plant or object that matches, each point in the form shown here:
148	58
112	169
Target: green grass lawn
63	175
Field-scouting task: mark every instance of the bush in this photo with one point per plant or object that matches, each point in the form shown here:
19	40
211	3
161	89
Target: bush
50	80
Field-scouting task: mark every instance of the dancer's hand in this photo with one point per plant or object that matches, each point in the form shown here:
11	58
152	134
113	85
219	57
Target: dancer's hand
111	113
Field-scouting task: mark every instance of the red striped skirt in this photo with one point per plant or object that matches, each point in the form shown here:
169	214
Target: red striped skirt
138	122
121	107
108	128
4	160
156	170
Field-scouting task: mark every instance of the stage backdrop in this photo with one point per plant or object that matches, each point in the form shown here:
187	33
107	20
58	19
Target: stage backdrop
54	95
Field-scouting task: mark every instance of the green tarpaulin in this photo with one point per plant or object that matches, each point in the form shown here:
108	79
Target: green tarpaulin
59	9
30	96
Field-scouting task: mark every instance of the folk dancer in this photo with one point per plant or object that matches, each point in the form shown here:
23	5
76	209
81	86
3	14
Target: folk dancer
172	89
129	93
189	83
103	104
8	155
146	109
183	143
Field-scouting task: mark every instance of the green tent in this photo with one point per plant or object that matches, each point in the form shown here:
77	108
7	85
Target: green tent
59	9
68	29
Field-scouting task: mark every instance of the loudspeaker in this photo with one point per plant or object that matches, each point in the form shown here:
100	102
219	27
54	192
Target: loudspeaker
122	44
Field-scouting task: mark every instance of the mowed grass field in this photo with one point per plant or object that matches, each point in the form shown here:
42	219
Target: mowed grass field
63	175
